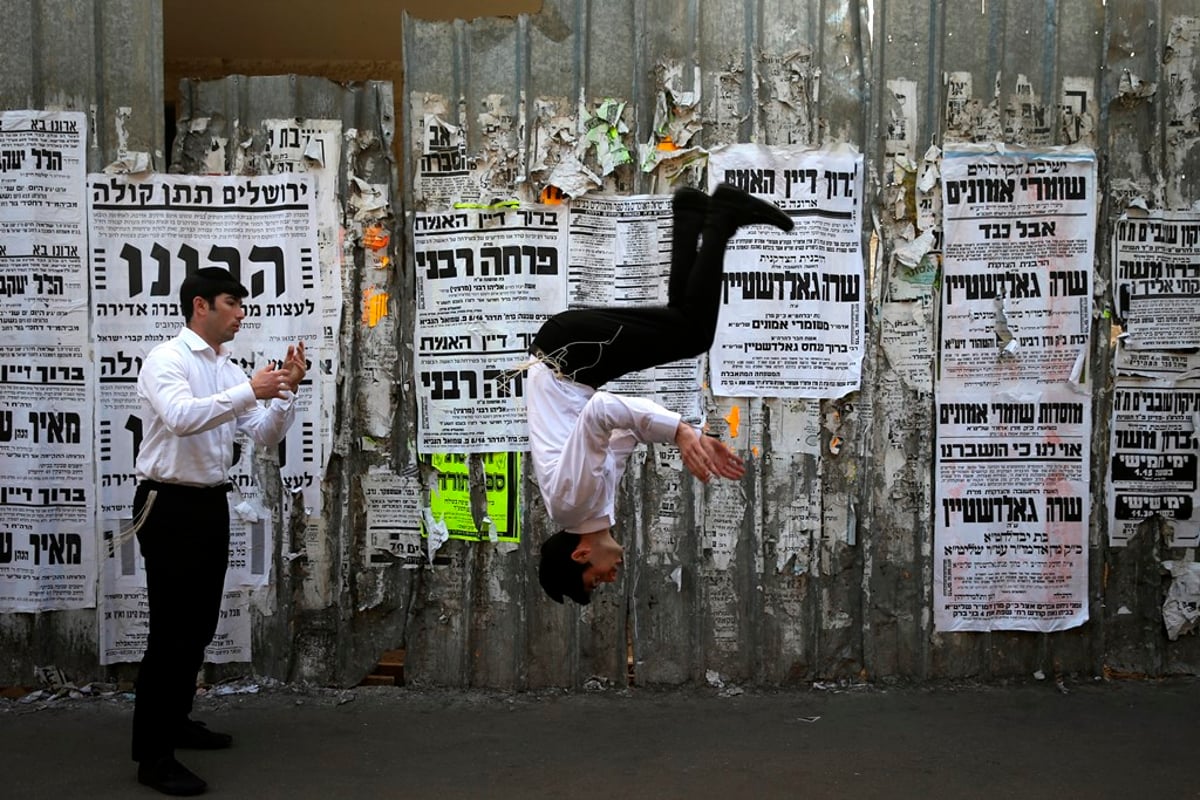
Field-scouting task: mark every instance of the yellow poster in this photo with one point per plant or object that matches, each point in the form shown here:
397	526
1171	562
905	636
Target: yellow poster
450	498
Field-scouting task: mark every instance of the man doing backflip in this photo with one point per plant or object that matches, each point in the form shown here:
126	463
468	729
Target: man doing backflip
581	437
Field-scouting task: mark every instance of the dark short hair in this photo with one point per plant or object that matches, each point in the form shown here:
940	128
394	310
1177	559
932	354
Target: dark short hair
209	283
560	574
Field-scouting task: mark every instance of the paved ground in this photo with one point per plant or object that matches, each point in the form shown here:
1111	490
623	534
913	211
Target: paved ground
1099	740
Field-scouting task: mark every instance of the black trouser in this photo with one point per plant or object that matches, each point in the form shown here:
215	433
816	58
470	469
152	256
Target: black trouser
595	345
185	545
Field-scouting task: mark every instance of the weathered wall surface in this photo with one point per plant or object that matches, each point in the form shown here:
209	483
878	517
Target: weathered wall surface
829	574
103	58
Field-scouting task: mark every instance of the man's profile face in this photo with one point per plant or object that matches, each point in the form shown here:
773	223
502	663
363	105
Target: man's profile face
603	555
221	319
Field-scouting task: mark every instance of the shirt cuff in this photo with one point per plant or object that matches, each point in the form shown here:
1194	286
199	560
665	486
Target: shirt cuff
242	397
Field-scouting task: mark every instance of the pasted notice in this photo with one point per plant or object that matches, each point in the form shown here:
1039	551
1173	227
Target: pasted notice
1017	280
450	497
1013	413
1154	449
1010	532
486	280
393	504
47	475
1156	271
124	612
792	309
146	236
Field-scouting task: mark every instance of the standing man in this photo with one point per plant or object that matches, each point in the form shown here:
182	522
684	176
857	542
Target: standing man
581	437
194	402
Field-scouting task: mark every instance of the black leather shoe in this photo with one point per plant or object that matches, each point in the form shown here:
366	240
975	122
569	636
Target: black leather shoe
737	208
170	777
196	736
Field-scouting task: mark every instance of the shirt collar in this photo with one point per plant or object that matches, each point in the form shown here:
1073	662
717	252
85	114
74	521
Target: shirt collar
197	344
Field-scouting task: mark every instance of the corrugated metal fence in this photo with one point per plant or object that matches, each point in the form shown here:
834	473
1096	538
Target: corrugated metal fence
848	594
853	598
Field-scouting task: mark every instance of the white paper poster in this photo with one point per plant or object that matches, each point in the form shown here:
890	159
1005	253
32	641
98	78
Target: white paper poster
1013	408
47	475
146	236
1156	280
792	320
1154	443
486	280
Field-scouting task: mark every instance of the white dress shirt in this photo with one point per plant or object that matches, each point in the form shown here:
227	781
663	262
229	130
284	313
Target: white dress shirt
194	402
581	440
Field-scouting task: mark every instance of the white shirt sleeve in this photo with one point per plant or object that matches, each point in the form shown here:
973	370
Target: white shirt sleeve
165	385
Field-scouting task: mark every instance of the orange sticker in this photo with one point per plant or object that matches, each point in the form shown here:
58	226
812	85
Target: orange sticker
733	418
375	237
551	196
375	306
667	144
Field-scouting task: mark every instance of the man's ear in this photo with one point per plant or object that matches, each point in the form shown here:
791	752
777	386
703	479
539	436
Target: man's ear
582	552
199	304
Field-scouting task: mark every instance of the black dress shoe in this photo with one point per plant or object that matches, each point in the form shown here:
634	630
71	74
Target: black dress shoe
170	777
737	208
196	736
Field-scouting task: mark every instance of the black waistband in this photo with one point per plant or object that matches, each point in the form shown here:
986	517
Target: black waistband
220	488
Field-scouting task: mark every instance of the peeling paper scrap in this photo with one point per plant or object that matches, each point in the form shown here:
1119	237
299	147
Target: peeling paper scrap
911	253
572	178
1181	609
437	532
604	131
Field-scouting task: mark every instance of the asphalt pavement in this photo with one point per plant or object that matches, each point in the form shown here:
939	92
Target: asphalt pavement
1094	739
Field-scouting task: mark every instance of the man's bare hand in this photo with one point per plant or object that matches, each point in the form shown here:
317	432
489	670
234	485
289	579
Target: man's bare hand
296	364
706	457
723	460
270	382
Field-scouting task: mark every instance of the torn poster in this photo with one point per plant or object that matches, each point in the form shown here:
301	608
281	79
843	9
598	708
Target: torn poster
314	146
1181	609
48	499
792	312
393	504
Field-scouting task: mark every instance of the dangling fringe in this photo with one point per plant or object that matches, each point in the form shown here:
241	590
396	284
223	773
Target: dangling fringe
137	522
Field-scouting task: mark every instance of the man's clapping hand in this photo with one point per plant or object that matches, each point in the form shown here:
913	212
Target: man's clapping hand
296	364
